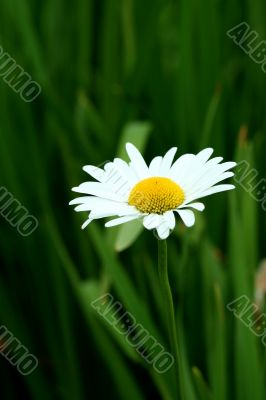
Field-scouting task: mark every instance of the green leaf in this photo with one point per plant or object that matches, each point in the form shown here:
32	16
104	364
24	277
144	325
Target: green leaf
201	386
127	234
136	133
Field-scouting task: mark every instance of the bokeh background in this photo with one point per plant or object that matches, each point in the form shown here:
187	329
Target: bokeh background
159	73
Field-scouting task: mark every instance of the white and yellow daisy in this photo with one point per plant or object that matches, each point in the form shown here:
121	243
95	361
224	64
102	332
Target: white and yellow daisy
154	193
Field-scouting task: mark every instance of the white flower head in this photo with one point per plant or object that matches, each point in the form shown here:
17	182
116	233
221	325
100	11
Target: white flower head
153	193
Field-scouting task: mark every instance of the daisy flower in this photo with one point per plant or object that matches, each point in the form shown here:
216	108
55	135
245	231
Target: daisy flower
154	193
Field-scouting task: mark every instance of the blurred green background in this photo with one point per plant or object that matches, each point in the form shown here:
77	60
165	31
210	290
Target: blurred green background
159	73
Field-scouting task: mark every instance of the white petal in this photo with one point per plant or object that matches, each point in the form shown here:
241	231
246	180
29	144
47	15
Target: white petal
206	177
196	167
181	161
216	189
126	170
208	183
95	172
219	178
98	189
110	174
88	203
169	219
137	161
204	155
180	168
187	216
84	207
228	165
118	181
163	231
121	220
86	223
154	168
196	206
196	164
151	221
113	210
167	160
215	171
79	200
196	175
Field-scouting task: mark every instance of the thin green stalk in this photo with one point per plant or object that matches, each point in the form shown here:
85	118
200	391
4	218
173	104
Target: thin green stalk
169	310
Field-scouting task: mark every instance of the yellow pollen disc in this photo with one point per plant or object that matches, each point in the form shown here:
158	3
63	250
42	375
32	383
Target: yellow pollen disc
156	195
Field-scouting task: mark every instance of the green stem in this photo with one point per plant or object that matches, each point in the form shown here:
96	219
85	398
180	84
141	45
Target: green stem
169	309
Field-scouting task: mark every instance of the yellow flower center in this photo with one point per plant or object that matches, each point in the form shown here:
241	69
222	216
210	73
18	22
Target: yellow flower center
156	195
